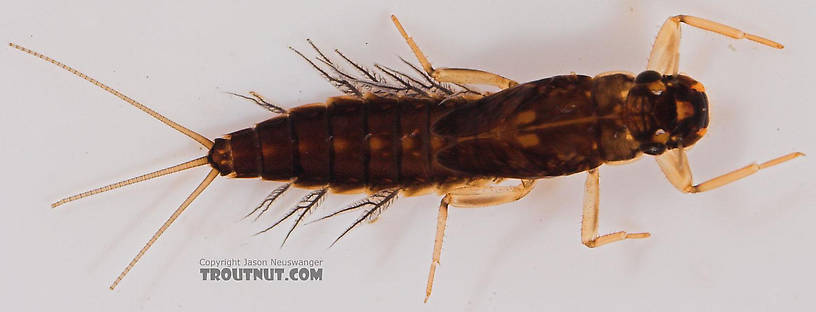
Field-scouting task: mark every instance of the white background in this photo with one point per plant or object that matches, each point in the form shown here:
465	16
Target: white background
746	246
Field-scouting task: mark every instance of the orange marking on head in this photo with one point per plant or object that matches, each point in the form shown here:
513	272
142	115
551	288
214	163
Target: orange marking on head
698	87
684	109
661	137
657	86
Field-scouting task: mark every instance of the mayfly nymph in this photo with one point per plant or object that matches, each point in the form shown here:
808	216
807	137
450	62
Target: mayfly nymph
397	134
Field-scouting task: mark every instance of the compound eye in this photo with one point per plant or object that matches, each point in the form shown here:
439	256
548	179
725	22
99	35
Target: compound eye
653	148
648	76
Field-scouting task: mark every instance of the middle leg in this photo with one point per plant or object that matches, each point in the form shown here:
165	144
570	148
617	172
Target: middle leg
589	222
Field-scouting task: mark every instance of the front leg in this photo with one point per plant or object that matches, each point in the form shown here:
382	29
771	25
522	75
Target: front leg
589	221
453	75
675	167
665	58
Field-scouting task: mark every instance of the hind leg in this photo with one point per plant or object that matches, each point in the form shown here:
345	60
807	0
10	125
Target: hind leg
453	75
470	196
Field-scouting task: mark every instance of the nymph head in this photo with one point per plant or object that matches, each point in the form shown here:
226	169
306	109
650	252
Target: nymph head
670	111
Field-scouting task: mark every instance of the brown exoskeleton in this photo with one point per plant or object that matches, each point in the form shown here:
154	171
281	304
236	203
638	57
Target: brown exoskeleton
395	134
